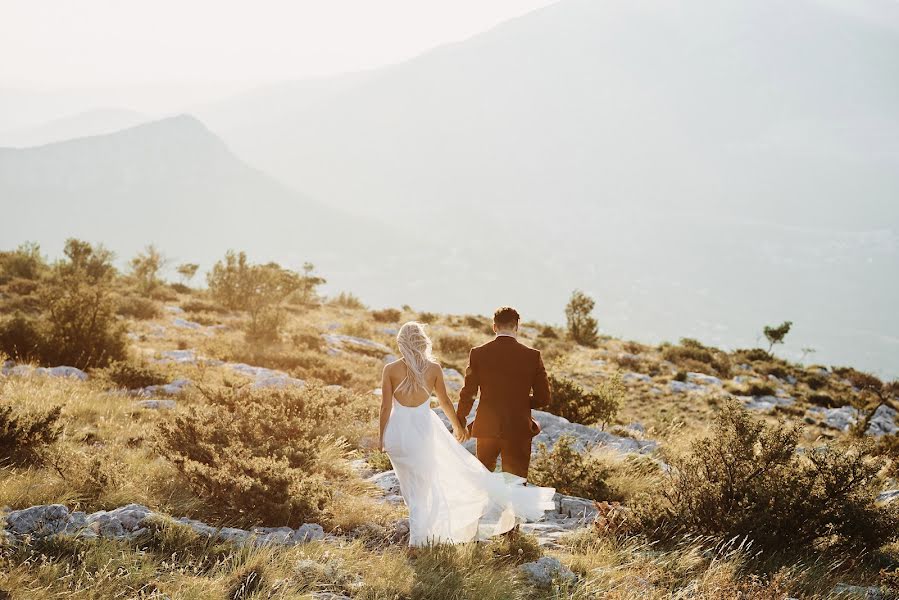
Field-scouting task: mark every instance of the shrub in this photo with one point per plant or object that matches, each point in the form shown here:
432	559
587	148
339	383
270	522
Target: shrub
746	479
549	333
130	375
386	315
752	355
569	471
347	300
26	436
145	268
266	327
428	318
187	271
81	325
453	345
476	322
573	402
263	456
137	307
22	338
824	400
691	355
582	326
25	262
198	306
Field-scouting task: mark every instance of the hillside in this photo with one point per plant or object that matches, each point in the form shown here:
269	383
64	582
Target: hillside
207	451
636	150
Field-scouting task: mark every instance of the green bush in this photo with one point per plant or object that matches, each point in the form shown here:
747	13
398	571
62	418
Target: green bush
691	355
570	472
453	345
25	437
25	262
131	375
747	479
265	456
347	300
582	327
570	400
81	325
22	338
137	307
386	315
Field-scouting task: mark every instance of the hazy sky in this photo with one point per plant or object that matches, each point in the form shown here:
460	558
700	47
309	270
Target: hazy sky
86	43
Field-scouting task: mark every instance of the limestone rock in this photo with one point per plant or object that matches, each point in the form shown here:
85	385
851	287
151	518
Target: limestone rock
546	570
765	403
338	341
38	521
883	422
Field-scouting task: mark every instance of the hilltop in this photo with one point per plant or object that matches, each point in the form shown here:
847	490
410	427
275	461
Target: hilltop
220	443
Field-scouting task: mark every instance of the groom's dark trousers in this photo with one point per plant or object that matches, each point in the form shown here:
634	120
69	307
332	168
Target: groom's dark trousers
512	380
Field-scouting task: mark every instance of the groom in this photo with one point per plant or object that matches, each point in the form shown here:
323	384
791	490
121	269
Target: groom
506	372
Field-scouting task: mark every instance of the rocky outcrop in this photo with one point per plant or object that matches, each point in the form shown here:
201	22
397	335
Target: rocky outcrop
133	520
765	403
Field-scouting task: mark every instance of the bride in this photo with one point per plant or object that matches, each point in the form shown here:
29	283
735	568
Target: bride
451	496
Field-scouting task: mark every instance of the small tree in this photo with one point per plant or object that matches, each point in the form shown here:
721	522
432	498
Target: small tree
82	329
145	268
257	289
187	271
873	393
582	326
776	335
309	282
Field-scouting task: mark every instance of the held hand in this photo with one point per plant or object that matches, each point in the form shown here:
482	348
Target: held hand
461	434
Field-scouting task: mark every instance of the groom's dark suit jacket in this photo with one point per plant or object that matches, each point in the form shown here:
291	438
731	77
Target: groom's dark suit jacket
506	372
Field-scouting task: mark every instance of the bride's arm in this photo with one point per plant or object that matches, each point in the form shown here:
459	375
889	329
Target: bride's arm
386	406
446	405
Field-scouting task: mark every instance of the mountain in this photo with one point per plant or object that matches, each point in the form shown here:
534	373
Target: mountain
175	184
91	122
702	167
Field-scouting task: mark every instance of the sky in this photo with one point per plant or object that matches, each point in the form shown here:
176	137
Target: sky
98	43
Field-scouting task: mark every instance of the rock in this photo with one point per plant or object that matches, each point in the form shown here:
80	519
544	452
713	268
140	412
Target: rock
129	521
266	378
362	468
841	418
638	427
174	309
156	404
636	377
39	521
844	590
883	422
546	570
765	403
182	357
454	379
703	379
387	481
683	387
887	496
185	324
170	389
340	341
10	368
68	372
554	427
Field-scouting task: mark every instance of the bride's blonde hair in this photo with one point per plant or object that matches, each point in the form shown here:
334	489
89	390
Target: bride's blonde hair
416	348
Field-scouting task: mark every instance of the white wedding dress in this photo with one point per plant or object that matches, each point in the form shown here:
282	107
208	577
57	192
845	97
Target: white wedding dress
451	496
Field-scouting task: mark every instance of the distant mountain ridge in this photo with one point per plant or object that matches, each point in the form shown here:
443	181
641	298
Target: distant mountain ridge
88	123
173	183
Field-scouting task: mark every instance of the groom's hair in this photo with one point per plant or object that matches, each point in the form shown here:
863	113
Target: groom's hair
506	316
